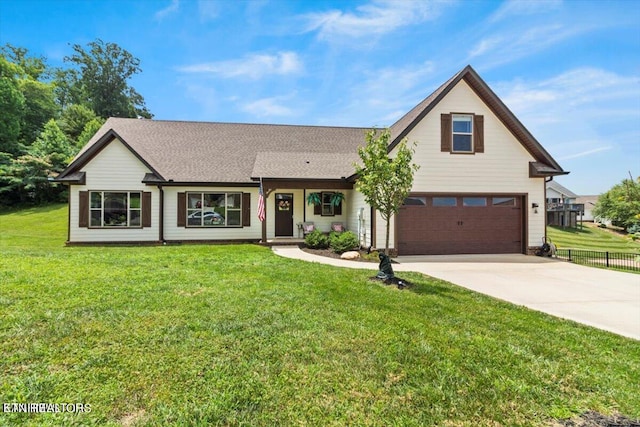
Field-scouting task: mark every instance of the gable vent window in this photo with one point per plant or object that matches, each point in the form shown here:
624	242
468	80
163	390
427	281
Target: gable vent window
462	134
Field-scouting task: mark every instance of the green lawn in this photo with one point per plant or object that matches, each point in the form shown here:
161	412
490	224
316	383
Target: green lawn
593	238
234	335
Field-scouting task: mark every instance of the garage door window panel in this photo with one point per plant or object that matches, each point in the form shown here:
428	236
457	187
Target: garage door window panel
503	201
474	202
445	201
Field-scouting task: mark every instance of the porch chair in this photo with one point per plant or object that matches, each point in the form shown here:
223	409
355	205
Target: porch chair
308	227
337	227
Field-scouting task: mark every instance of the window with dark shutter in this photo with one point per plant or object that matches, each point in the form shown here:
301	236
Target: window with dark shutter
246	209
445	133
83	209
146	209
478	134
182	209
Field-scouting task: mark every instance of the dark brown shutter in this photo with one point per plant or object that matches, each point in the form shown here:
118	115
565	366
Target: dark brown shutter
146	209
182	210
317	209
337	210
83	209
478	134
445	132
246	209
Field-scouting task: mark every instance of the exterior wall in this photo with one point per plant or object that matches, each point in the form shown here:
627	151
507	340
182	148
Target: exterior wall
322	223
359	218
502	168
115	168
174	233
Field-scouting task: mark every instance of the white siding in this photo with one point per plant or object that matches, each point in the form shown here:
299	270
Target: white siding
323	223
359	217
502	168
115	168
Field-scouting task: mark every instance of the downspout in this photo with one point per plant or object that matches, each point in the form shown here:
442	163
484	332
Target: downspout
548	179
161	216
69	213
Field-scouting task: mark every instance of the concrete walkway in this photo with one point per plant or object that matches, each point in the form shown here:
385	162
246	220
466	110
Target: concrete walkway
605	299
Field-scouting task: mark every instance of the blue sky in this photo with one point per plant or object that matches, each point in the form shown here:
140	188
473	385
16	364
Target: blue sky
569	70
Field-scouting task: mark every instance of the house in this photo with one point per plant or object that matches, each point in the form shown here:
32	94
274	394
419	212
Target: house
563	210
589	203
481	177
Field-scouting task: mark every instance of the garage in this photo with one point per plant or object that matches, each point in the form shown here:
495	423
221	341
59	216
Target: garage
460	224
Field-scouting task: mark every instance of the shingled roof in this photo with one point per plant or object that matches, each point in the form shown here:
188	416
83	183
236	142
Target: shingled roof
199	152
227	152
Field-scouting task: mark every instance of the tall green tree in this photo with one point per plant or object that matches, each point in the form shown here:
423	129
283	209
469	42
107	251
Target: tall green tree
102	78
28	178
89	130
385	182
621	204
11	107
73	120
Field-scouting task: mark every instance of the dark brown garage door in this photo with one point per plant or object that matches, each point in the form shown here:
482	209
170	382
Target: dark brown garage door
433	225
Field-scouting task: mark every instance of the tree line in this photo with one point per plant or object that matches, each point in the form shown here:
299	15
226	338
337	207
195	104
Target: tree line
49	113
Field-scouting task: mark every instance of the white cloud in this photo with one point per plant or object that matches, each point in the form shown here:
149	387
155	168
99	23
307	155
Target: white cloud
512	8
269	107
586	152
515	43
376	18
172	8
590	89
252	66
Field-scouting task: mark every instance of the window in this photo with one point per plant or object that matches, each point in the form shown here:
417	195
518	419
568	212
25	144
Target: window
327	206
330	204
415	201
504	201
462	126
445	201
474	201
115	209
214	209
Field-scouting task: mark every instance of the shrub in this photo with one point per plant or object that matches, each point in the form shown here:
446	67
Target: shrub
316	240
634	228
342	242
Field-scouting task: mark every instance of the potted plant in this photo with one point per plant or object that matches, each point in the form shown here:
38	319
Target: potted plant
313	199
337	198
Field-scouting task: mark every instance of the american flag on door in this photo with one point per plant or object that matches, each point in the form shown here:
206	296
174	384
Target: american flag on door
261	203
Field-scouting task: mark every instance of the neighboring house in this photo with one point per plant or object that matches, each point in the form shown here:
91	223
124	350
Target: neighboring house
589	203
563	210
481	176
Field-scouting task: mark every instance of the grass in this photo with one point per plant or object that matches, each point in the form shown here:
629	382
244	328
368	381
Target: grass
591	237
234	335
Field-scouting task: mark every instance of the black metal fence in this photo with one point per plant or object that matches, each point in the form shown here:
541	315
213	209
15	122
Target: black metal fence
619	261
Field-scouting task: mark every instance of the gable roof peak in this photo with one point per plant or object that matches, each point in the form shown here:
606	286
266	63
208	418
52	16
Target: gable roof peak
406	123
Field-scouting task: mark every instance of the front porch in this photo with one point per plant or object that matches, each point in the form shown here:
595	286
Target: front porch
288	206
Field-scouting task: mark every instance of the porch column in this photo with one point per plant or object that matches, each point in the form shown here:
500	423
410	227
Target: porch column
265	193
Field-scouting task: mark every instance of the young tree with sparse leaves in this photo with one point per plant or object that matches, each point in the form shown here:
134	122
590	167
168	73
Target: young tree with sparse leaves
385	182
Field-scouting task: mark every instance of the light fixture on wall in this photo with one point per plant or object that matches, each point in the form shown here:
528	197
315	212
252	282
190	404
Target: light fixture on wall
535	207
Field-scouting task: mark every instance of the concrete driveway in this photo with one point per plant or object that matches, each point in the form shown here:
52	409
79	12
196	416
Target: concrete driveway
605	299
